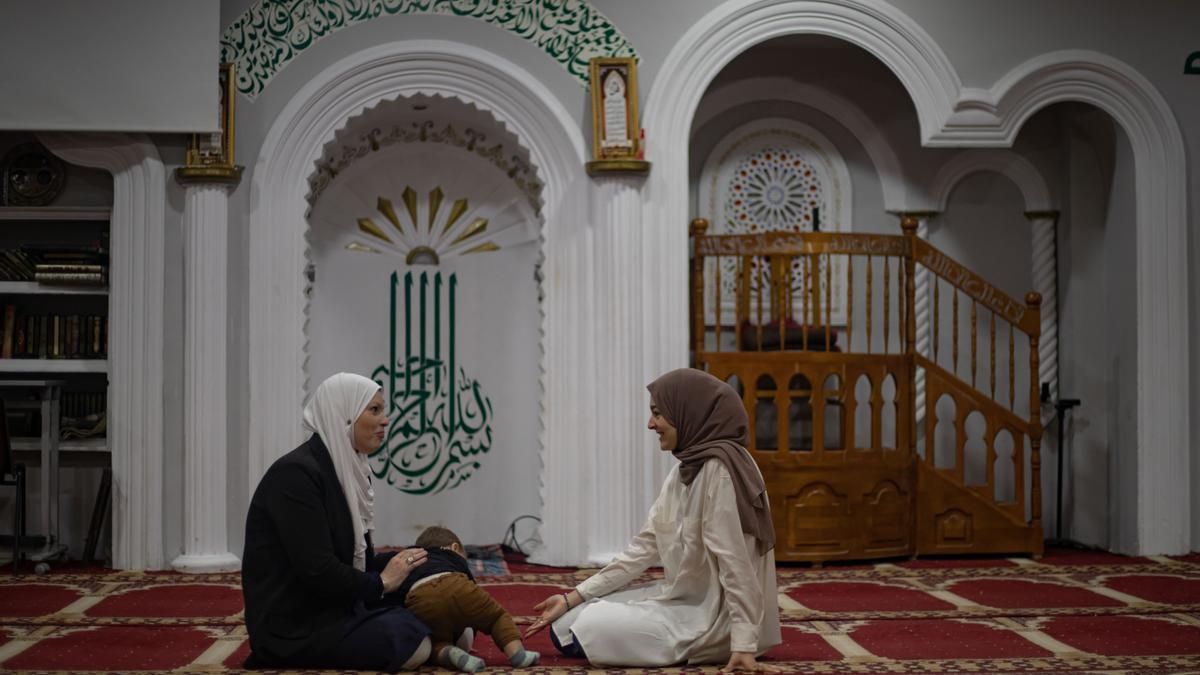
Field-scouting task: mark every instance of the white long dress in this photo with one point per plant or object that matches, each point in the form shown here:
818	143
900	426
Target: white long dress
717	595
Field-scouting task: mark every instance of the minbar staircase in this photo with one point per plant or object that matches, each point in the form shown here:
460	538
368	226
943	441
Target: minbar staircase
881	426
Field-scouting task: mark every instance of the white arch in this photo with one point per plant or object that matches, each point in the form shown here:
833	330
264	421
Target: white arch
135	320
952	116
278	228
994	117
1005	162
892	180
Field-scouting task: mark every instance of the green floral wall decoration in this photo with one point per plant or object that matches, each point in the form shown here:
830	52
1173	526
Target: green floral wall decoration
273	32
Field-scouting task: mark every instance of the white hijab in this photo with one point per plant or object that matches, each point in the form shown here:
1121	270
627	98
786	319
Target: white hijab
331	414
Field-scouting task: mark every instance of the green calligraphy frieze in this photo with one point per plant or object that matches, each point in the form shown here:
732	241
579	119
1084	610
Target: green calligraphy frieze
271	33
440	419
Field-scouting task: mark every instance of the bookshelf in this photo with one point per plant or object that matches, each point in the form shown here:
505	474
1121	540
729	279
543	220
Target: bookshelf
57	332
55	213
55	239
54	366
77	445
34	288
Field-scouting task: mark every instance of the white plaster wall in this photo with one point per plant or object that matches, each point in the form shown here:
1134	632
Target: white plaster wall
984	228
1016	31
1120	369
985	40
1155	38
497	345
1096	334
867	205
150	51
496	320
255	118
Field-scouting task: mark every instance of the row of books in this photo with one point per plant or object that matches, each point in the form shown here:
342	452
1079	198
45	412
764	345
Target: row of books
53	336
81	415
79	264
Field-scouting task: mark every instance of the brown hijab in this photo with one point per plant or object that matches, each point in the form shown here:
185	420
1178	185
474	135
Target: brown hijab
711	423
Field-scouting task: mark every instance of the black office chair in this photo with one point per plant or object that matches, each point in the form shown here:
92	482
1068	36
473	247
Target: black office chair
12	474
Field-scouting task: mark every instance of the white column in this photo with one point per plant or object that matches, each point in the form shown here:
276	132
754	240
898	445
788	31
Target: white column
600	472
135	331
623	443
206	233
921	311
1045	282
569	429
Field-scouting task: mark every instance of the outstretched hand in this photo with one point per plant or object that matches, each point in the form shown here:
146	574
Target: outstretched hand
744	661
551	608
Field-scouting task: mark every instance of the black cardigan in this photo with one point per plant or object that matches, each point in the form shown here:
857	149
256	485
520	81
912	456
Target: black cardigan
298	577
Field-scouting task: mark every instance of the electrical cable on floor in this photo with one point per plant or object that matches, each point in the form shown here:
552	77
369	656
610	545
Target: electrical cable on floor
510	536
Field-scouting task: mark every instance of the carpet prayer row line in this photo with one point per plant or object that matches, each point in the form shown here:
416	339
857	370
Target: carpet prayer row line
1065	613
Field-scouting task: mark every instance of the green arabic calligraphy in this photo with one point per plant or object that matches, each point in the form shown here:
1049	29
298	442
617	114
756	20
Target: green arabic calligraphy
440	418
273	32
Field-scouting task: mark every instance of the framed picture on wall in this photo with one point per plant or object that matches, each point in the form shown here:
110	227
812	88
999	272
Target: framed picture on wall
216	149
616	133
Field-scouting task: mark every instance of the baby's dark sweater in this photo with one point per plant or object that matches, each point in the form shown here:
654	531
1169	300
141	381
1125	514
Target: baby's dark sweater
439	560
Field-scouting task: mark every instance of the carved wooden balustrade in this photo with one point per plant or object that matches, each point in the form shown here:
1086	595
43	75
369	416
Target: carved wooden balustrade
870	446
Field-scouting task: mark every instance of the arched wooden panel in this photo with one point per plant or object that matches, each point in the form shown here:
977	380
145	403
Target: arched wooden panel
815	521
887	515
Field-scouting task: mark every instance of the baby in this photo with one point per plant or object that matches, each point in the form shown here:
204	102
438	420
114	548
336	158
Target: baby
442	593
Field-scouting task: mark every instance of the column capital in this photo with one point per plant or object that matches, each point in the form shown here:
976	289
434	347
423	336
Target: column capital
619	167
188	176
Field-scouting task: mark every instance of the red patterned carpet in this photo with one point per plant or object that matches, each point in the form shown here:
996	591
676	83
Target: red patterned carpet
1070	612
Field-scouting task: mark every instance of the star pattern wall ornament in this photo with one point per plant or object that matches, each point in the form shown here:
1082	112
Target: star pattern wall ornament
772	190
775	175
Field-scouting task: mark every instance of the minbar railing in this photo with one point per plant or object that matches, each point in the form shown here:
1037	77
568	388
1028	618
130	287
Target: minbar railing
819	334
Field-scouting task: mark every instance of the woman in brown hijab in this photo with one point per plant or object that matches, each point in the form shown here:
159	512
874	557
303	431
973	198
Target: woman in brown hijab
710	529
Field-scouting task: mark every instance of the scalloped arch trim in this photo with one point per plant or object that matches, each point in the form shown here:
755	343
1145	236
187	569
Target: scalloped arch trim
268	35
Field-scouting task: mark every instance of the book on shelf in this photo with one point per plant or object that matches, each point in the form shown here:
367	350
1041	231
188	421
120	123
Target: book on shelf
43	333
55	337
10	316
71	278
82	415
96	328
68	268
19	342
43	250
62	336
66	263
15	265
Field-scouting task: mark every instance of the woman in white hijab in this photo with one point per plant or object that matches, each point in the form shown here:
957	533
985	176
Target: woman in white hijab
315	592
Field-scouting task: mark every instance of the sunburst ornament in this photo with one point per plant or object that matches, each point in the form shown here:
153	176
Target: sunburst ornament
424	233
